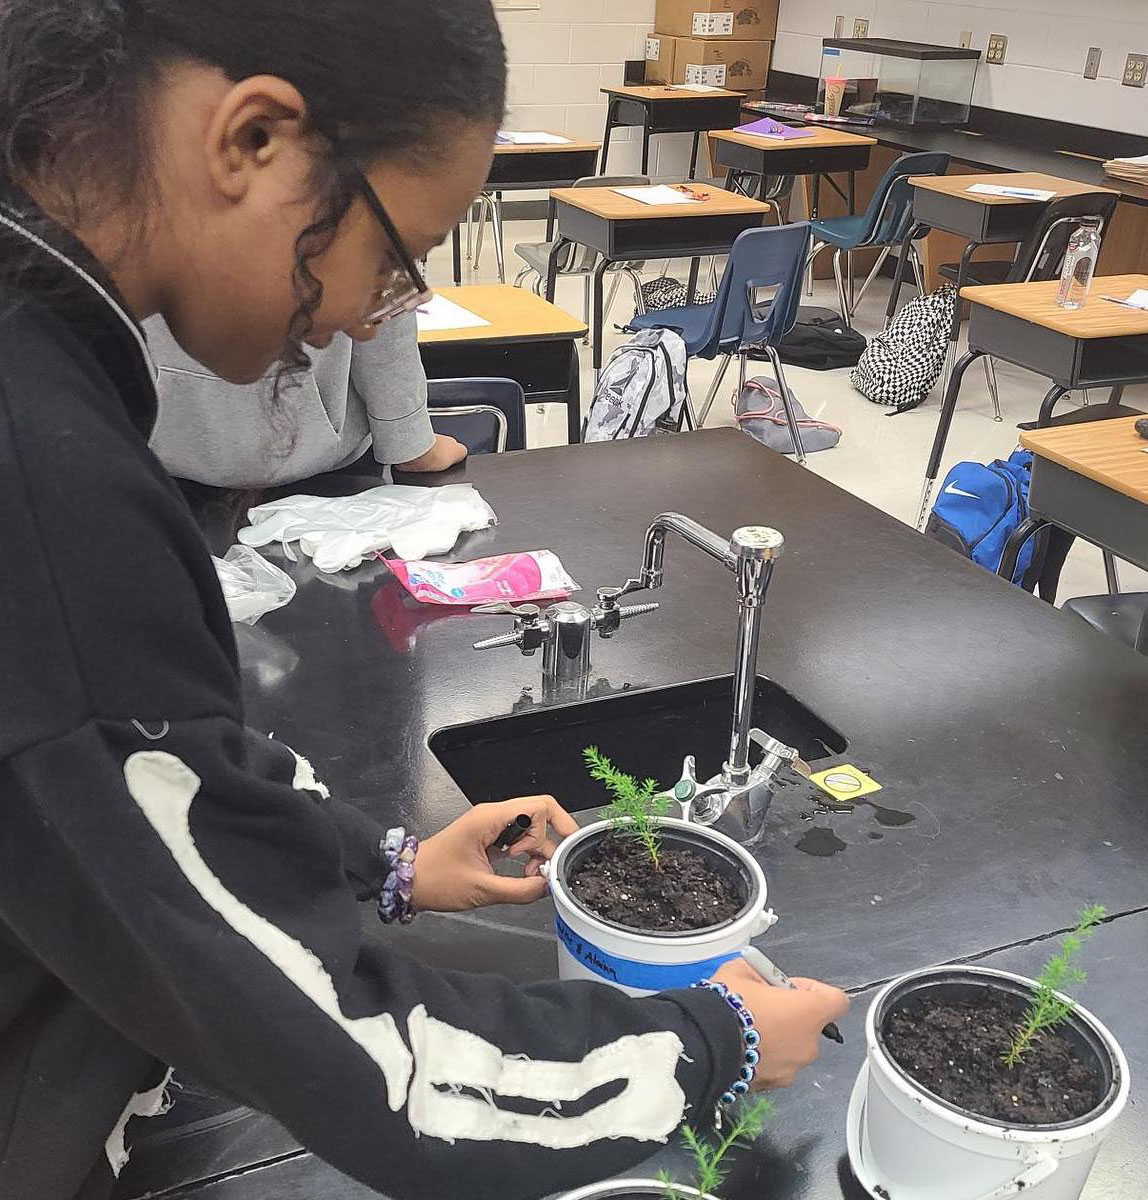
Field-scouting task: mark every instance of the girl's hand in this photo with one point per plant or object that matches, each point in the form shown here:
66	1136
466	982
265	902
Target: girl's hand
453	871
444	454
790	1023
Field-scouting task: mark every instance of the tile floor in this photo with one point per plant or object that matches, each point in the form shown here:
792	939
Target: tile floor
880	458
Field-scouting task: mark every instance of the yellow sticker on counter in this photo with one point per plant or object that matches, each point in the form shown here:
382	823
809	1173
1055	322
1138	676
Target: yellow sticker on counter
845	782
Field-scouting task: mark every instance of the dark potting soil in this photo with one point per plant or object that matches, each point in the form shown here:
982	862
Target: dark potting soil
954	1049
617	881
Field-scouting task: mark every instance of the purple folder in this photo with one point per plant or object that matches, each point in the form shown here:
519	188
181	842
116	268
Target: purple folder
774	129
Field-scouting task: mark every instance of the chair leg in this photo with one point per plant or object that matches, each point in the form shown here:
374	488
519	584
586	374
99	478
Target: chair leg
636	280
614	285
1110	574
885	252
787	404
587	287
991	376
842	299
496	230
719	375
520	278
480	234
470	233
713	274
918	268
742	365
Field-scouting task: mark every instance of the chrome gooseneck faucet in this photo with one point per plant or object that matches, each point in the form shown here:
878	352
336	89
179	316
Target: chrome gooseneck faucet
739	796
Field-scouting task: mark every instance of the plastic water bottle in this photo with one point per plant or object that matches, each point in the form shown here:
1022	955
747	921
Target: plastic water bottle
1079	266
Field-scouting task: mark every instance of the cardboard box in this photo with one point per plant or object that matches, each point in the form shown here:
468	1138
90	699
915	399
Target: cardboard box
739	66
741	20
660	55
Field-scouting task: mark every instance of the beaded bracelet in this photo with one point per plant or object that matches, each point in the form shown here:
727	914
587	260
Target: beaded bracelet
395	899
750	1037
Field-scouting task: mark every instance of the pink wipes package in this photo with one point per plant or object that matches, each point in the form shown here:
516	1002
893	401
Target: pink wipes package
535	575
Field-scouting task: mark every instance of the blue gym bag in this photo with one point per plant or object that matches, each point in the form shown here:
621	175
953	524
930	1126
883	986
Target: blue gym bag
979	506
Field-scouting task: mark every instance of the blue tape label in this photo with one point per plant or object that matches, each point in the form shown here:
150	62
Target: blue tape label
648	977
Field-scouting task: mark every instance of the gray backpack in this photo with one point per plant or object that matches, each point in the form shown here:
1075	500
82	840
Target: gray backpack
641	389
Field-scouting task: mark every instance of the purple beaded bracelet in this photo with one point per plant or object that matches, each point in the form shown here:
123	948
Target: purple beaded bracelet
750	1037
395	899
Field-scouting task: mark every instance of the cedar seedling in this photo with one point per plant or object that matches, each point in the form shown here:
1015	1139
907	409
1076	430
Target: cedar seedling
634	807
1047	1009
709	1174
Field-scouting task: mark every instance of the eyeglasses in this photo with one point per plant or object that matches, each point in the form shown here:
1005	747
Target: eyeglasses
402	287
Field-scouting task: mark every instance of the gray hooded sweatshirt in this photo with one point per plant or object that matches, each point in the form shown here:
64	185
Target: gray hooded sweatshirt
357	396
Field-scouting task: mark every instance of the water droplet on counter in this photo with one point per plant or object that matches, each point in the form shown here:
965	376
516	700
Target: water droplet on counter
821	842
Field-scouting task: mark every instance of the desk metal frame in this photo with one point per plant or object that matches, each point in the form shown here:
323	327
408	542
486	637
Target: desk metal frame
696	114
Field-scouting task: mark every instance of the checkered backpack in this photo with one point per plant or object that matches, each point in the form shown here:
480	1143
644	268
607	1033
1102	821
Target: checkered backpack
903	362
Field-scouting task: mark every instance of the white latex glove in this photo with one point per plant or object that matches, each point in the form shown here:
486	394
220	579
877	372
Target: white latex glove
340	532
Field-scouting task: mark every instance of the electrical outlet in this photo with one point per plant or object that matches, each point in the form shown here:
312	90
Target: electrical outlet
839	26
860	28
966	41
1092	63
1136	70
998	44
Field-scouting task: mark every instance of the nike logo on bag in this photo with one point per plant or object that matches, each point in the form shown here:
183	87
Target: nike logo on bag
953	490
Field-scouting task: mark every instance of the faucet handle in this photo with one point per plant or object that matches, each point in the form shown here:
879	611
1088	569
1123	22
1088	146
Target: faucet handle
530	630
691	795
609	614
778	754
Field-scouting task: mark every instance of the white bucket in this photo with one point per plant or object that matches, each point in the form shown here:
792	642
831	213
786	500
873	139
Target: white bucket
907	1144
632	1189
641	964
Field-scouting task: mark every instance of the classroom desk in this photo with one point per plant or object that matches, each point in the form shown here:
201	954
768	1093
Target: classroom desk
533	168
825	151
944	202
1100	345
527	340
667	109
984	151
1090	481
622	229
1018	753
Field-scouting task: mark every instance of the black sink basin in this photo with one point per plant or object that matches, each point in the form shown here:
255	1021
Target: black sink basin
647	733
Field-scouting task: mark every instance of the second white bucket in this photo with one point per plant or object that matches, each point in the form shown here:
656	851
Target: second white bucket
641	964
907	1144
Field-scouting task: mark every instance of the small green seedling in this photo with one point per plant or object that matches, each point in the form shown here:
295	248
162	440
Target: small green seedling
709	1173
635	807
1047	1009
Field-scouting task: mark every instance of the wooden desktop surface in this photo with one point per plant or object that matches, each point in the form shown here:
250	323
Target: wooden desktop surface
1110	452
958	185
571	145
515	314
607	203
821	138
1098	318
666	92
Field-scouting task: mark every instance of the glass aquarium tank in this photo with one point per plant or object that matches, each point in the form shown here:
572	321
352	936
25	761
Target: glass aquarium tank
896	83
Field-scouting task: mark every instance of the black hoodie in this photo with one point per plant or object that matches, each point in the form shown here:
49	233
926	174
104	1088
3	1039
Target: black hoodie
176	889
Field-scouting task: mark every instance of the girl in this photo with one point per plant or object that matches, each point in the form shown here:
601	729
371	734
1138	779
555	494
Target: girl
173	888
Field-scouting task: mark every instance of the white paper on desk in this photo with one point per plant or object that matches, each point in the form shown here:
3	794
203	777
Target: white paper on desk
1139	299
1142	161
695	87
1012	193
532	139
439	313
659	193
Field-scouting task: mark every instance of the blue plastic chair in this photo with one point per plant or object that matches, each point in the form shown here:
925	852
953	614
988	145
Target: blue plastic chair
487	415
737	321
884	225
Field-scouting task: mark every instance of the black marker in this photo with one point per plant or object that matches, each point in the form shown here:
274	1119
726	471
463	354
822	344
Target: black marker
776	977
514	832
